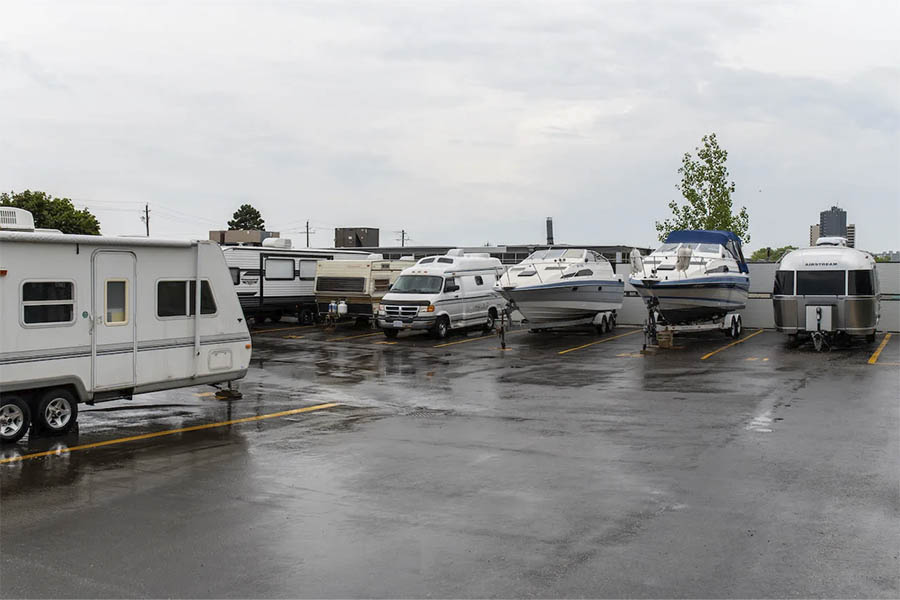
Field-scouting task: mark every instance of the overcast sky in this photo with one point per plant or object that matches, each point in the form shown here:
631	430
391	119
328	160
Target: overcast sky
462	123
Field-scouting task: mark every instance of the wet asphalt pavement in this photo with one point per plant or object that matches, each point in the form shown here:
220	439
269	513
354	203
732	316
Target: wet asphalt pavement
462	470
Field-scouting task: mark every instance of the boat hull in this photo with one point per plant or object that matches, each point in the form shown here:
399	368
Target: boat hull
560	302
696	299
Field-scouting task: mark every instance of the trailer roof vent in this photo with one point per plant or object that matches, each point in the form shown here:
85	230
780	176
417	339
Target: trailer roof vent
274	242
831	241
16	219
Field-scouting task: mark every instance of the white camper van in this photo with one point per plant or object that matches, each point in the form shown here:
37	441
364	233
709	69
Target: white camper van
441	293
88	318
358	285
274	280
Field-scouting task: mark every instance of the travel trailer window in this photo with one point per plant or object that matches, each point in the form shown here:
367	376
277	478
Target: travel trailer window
48	302
116	302
279	269
784	283
820	283
176	299
417	284
235	275
859	283
308	269
382	285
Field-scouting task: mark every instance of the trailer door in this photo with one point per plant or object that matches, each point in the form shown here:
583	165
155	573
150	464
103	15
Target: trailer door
114	344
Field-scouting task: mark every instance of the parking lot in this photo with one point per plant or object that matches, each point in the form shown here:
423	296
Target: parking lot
566	465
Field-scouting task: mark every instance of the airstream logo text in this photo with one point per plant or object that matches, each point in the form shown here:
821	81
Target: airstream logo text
821	264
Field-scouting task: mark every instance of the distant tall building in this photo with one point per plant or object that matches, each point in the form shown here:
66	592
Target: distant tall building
355	237
851	235
833	222
813	234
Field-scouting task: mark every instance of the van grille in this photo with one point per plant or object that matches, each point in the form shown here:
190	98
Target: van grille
340	284
401	311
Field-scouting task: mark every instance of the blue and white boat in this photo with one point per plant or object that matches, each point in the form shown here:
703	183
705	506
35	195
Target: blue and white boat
561	285
695	275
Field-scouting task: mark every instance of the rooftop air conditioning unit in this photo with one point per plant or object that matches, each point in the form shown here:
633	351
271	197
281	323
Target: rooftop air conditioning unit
15	219
273	242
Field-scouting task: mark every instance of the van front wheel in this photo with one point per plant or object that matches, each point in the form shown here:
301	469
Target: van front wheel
441	328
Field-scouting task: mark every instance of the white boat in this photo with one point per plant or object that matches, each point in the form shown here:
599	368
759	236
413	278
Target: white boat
695	275
560	285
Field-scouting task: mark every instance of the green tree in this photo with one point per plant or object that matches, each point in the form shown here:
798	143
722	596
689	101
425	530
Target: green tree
705	186
53	213
246	217
768	254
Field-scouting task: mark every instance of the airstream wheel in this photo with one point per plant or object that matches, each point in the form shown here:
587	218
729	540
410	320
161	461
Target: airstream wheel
15	418
870	337
57	411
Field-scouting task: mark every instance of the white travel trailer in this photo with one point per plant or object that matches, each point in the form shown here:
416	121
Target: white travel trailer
274	280
88	318
825	291
441	293
357	284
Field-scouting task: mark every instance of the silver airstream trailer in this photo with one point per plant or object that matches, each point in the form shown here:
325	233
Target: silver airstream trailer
826	291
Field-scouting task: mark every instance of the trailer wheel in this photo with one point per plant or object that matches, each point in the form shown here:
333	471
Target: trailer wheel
57	411
870	337
735	329
391	333
740	326
305	316
15	418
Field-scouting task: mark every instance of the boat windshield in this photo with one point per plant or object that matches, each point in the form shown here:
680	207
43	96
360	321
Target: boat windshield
666	248
554	253
417	284
704	248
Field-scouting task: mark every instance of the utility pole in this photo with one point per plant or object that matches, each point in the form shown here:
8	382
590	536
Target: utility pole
307	234
402	238
146	217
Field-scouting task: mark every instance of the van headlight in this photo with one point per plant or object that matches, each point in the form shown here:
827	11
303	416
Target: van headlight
381	310
429	308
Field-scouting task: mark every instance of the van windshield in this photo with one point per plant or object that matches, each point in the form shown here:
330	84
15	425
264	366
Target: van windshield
417	284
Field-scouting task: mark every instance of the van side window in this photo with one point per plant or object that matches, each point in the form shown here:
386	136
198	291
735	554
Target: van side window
448	261
479	280
177	299
279	268
48	302
115	302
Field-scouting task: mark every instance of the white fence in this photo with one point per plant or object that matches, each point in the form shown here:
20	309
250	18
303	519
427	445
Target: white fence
759	308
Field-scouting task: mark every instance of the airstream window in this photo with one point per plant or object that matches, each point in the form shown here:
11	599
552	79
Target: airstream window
859	283
784	283
820	283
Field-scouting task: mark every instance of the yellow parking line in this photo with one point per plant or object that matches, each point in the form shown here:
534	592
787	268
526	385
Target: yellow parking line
734	343
203	394
874	358
615	337
293	337
155	434
386	343
353	337
254	331
753	358
475	339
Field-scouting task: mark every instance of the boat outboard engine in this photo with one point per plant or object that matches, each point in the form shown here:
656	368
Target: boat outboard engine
683	261
637	262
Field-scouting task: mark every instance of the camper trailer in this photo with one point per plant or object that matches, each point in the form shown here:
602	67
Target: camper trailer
442	293
826	291
274	280
354	288
92	318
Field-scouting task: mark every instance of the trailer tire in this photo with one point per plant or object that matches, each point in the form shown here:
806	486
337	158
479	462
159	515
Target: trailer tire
740	326
391	333
735	330
305	317
870	337
57	412
15	419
